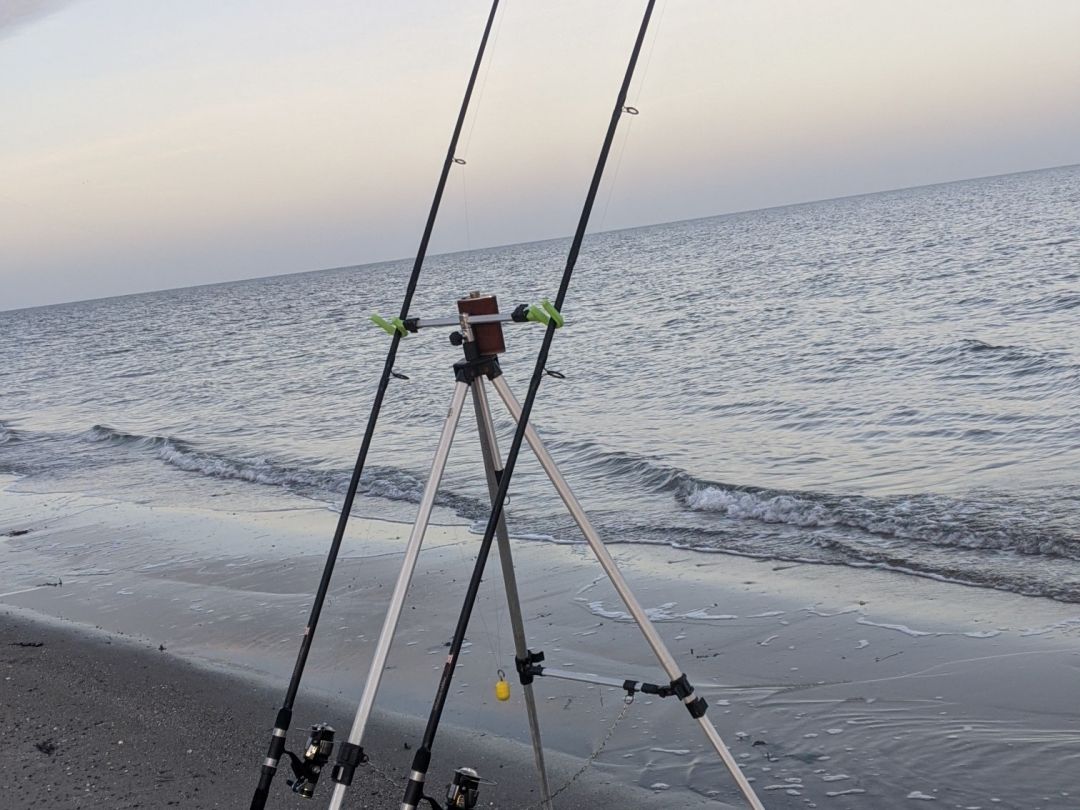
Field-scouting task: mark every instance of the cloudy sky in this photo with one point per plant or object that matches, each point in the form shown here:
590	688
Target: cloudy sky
150	144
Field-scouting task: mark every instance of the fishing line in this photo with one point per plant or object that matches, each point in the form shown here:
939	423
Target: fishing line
615	174
465	211
483	83
308	771
634	112
415	789
652	48
496	656
589	760
492	48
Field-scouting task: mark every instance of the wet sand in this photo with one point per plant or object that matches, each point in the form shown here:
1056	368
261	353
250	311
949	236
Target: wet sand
834	687
93	720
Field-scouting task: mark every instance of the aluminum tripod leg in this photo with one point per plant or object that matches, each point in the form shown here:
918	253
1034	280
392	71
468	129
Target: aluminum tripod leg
667	661
492	468
408	565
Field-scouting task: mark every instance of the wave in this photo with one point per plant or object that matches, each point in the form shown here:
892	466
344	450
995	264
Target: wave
1016	542
7	436
992	523
647	472
381	482
1053	303
977	357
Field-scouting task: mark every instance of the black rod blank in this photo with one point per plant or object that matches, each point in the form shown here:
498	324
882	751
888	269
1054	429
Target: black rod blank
284	716
414	789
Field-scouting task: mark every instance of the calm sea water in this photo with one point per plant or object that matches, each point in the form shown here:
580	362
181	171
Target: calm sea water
887	380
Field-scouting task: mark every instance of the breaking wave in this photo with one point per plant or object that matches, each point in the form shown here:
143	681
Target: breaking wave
380	482
1011	541
987	521
991	523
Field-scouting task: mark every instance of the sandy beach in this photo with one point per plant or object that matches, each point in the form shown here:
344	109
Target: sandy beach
93	719
833	687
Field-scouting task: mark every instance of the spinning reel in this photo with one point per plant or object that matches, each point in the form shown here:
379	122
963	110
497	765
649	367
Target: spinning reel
316	754
463	792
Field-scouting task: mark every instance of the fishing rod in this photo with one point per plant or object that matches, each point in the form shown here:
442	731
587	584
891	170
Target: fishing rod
317	751
414	791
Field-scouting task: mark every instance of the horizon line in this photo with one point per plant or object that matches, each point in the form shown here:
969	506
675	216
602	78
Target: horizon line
396	259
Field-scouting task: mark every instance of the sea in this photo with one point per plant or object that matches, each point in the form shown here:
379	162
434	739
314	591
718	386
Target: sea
889	380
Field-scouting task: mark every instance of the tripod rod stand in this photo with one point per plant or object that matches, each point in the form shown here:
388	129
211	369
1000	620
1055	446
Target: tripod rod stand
481	338
526	662
469	375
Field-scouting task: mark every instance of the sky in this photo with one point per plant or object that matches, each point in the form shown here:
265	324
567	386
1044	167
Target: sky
149	145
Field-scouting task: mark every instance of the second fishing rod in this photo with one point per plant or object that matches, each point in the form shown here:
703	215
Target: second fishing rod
414	791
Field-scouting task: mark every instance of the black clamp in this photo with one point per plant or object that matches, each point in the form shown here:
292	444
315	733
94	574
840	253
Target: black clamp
696	706
468	370
350	756
647	689
529	666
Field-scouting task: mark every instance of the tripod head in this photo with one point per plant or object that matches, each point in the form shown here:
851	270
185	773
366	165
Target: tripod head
487	336
479	322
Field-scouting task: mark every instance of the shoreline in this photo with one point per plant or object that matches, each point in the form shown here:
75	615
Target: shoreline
852	687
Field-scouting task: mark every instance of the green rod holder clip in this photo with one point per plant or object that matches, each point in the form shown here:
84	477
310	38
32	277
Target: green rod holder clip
545	313
536	314
556	316
394	326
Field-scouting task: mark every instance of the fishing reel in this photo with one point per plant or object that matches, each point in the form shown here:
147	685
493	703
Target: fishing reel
463	792
317	752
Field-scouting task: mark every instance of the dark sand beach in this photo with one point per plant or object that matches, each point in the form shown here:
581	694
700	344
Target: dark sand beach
96	720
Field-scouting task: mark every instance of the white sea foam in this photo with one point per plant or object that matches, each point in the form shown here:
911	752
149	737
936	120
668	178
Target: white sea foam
703	614
660	613
768	508
900	628
1065	624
